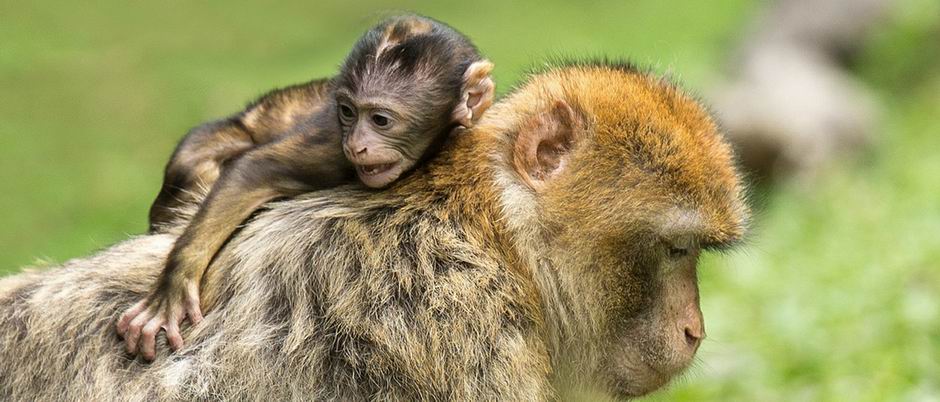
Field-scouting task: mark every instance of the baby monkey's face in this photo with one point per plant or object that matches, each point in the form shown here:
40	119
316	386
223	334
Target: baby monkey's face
382	138
388	129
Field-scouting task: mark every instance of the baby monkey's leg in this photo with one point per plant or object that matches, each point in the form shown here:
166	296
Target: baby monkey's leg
287	167
201	156
195	166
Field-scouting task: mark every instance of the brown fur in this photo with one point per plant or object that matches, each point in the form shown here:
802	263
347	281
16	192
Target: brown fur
461	282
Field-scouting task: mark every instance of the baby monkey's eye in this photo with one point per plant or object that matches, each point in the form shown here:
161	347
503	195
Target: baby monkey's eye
380	120
346	111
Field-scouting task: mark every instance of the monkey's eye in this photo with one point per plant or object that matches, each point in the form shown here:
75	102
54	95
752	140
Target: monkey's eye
346	111
380	120
678	252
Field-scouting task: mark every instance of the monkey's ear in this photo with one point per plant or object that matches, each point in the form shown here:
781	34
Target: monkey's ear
476	94
545	142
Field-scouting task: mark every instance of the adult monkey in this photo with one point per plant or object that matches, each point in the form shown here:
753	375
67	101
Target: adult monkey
553	247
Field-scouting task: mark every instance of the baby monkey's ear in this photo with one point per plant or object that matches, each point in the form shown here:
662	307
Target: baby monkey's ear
476	94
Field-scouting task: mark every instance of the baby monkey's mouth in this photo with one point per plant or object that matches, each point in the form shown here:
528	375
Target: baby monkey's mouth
373	170
378	175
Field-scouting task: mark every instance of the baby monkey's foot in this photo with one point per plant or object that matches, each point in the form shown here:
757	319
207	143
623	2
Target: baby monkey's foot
163	309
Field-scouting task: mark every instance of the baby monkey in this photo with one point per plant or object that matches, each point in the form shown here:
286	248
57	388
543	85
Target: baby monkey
403	88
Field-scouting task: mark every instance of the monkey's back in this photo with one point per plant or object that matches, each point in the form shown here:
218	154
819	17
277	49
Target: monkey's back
350	297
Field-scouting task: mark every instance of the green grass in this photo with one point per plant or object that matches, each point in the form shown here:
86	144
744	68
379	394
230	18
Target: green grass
836	296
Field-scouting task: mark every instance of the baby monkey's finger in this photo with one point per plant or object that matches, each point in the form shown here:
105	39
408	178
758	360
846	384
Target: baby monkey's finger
129	315
133	331
193	311
173	336
148	337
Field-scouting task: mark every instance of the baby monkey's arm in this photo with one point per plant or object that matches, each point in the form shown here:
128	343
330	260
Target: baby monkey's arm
286	167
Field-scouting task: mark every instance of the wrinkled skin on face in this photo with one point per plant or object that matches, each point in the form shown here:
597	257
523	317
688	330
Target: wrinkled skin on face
649	323
657	338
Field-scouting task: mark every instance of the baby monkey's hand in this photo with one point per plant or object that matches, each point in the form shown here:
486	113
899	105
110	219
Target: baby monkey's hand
165	308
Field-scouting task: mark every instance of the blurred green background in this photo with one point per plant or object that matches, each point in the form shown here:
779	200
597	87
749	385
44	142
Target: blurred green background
836	296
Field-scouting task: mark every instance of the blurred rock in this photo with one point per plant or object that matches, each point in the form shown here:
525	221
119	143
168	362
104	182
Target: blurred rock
792	105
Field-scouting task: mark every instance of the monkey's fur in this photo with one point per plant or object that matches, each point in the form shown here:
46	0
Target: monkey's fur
471	279
406	85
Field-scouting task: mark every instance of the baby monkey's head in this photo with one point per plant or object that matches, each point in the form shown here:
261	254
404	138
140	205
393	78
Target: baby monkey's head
406	84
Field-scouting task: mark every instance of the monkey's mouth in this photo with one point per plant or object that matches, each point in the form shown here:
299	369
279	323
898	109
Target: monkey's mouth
380	174
374	170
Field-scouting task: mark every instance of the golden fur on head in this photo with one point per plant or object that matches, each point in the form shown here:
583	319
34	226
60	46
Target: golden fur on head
452	285
643	131
400	28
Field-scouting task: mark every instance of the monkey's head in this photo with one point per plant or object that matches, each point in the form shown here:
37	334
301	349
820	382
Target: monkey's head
406	84
620	182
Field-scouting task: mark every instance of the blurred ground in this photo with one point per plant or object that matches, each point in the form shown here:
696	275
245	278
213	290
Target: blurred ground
835	297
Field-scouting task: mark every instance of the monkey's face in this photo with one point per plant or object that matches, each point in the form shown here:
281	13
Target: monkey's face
631	181
654	326
643	297
380	138
635	250
632	242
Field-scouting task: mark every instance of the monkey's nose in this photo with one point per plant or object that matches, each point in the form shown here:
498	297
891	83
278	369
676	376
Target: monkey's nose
362	150
693	337
692	328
